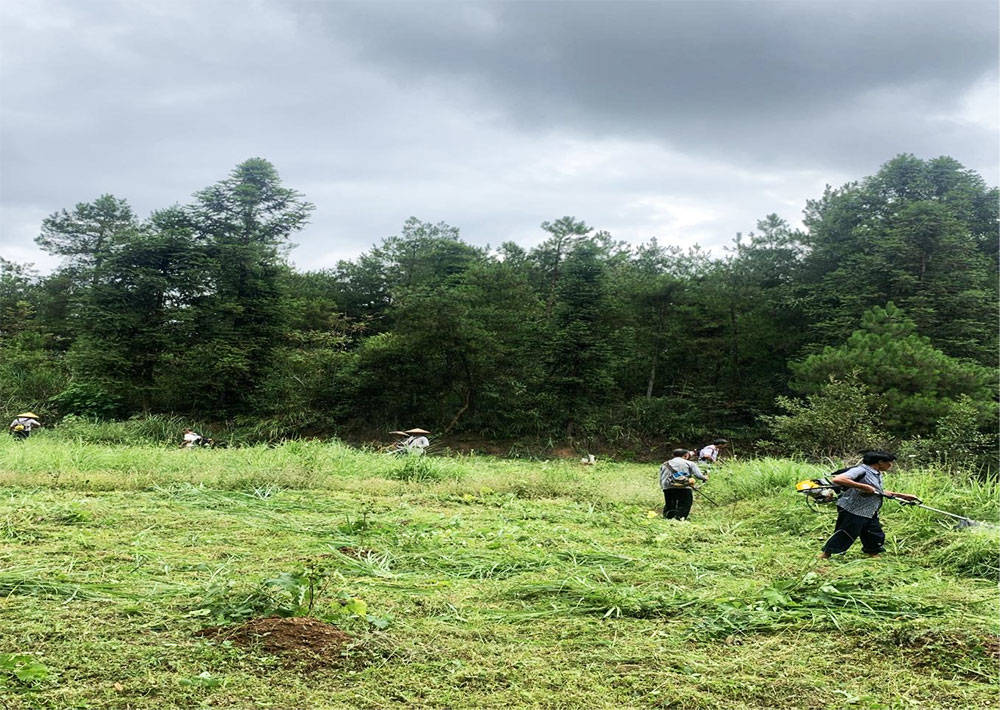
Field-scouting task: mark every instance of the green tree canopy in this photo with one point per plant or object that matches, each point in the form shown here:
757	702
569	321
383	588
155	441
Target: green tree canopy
919	233
244	223
87	234
918	382
582	336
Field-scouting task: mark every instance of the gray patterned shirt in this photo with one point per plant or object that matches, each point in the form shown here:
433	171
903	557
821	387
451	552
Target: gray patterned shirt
679	466
854	501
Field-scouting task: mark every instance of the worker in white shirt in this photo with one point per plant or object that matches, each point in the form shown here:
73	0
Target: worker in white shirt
191	439
22	425
417	441
711	452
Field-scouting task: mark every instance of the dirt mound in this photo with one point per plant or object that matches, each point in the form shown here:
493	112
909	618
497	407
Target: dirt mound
299	636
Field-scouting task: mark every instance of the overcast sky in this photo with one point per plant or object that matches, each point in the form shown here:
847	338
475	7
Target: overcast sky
687	121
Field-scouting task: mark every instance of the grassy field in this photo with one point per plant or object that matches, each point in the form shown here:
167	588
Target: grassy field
473	583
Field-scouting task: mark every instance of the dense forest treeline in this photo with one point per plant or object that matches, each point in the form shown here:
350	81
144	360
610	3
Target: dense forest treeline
875	322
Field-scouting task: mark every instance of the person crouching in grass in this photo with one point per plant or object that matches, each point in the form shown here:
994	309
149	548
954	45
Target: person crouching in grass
858	506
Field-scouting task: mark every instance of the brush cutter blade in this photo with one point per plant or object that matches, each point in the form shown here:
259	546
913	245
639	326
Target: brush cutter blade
961	522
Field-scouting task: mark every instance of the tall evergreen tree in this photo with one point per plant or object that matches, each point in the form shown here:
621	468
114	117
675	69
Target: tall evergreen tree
86	236
579	355
919	233
549	255
244	222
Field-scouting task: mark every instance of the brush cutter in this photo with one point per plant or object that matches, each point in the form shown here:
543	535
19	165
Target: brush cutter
963	522
820	491
703	494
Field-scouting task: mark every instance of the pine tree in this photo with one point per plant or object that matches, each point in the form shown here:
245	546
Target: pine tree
917	382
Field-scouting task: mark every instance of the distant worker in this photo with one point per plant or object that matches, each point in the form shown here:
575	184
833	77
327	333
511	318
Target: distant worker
417	442
711	452
413	441
858	506
677	478
191	439
22	425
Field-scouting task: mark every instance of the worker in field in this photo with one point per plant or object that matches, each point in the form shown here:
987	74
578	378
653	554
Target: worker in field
859	504
412	441
22	425
710	453
417	442
191	439
678	477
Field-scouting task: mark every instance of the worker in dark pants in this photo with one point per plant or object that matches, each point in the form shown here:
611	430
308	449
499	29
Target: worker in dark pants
858	506
677	476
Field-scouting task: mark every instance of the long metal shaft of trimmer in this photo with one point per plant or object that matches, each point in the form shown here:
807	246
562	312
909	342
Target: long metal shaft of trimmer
707	497
919	505
942	512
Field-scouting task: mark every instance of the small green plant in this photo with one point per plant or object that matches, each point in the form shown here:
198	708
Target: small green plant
361	525
301	588
23	669
226	602
293	593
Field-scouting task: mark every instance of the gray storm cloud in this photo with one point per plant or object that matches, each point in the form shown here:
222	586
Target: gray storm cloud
719	77
685	121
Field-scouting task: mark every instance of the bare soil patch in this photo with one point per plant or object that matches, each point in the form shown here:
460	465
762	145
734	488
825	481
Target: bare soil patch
299	637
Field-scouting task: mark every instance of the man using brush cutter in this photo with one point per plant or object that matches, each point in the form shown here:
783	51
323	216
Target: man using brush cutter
677	479
858	506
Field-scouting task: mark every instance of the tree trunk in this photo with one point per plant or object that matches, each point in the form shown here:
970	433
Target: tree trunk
652	376
458	414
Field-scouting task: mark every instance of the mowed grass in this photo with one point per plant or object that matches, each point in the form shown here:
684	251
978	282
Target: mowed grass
515	584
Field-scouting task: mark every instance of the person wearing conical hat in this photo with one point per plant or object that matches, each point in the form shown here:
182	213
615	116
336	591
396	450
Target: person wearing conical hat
417	441
23	424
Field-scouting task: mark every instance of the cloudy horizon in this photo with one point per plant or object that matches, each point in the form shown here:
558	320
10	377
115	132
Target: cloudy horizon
684	121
